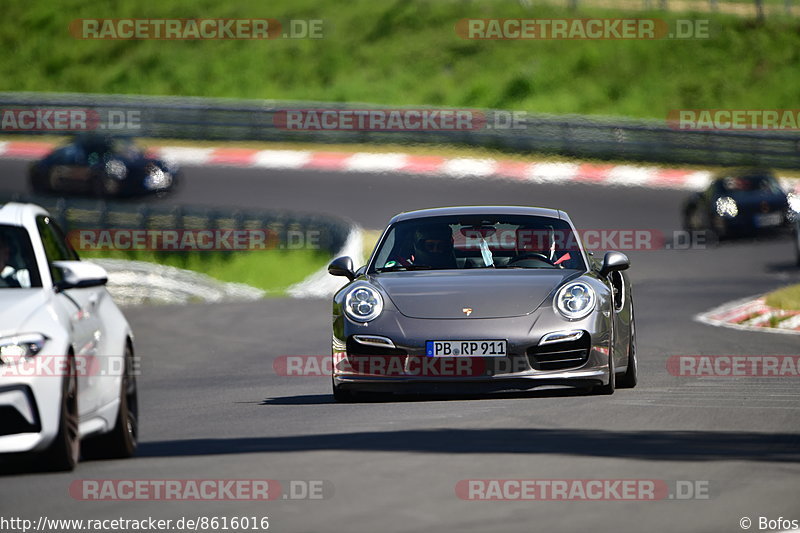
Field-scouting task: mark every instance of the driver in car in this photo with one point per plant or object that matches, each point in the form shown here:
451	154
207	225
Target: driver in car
10	277
433	247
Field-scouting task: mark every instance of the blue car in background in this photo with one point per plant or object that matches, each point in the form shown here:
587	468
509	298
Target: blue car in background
738	203
102	166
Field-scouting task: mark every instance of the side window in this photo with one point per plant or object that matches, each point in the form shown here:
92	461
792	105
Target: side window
61	237
55	246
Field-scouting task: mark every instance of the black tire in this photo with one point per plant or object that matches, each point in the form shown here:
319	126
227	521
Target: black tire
121	442
695	222
342	395
36	184
630	378
797	242
64	452
98	187
688	221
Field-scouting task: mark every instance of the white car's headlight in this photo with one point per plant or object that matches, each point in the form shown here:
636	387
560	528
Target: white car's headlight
726	207
363	303
575	300
18	347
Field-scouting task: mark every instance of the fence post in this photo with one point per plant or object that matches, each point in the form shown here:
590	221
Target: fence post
143	216
102	215
61	214
177	217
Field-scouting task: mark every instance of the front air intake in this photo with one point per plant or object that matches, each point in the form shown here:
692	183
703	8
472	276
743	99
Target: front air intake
560	355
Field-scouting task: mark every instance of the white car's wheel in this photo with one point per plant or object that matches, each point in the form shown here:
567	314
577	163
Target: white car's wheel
64	452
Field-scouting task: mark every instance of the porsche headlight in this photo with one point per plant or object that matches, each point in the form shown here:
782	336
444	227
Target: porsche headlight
726	207
157	178
575	300
18	347
363	303
794	202
116	169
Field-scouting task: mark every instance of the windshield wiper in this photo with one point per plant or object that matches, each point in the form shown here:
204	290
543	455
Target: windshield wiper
525	268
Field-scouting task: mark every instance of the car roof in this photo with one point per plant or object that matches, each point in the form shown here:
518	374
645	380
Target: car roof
16	213
479	210
744	172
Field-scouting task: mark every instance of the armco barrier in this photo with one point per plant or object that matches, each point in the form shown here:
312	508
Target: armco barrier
287	230
579	136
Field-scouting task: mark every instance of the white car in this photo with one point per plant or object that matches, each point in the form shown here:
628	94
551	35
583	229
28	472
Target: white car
67	368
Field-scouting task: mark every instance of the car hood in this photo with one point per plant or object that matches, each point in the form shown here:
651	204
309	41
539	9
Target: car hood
755	199
489	293
16	306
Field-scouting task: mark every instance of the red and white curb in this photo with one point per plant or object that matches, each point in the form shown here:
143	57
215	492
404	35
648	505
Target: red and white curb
399	163
752	314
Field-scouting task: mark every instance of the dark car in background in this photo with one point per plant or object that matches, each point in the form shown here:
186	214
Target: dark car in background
102	166
741	202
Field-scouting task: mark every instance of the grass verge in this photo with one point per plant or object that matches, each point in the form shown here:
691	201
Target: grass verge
270	270
785	298
407	52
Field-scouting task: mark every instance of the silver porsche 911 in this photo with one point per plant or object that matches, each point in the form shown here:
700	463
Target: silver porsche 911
480	299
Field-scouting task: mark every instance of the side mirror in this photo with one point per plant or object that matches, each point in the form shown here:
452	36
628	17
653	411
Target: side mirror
80	274
342	266
613	262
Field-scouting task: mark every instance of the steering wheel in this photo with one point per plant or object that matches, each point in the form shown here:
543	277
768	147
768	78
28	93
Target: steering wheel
530	255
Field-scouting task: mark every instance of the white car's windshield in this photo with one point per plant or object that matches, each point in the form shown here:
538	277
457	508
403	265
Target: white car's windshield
17	262
479	241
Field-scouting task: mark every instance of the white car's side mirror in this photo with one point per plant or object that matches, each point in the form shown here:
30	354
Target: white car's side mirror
80	274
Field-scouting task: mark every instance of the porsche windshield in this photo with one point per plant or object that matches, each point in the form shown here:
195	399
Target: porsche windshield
484	241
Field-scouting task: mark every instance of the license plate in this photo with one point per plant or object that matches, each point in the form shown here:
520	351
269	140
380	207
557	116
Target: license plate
465	348
769	219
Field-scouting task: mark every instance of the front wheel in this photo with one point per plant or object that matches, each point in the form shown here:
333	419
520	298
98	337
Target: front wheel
630	378
63	453
612	378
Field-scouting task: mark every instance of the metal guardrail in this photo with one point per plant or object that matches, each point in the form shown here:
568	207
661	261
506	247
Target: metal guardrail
579	136
287	231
